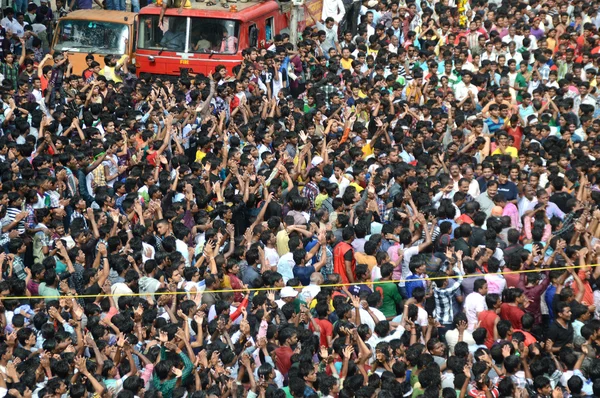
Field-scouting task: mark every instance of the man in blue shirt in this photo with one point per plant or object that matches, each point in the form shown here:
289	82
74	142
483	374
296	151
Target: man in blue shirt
417	267
506	187
301	270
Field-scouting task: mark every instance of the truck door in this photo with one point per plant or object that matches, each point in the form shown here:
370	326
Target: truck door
253	35
269	31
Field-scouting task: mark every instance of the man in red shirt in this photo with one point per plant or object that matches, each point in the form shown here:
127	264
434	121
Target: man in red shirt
489	319
287	338
159	147
326	335
511	310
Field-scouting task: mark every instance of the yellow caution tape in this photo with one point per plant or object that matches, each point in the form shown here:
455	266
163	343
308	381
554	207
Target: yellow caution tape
77	296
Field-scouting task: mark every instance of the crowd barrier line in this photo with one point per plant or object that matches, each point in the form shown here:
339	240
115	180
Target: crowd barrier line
77	296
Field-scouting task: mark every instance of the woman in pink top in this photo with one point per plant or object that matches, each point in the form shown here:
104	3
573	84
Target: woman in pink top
538	214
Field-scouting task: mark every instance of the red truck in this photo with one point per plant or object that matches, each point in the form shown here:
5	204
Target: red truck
204	36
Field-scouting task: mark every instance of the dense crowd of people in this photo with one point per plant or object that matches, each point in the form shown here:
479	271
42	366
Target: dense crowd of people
404	203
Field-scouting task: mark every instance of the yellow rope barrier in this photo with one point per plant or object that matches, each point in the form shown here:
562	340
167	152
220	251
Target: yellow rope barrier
76	296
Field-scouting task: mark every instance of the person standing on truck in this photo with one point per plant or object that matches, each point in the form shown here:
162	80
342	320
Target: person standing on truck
179	4
333	9
83	4
352	11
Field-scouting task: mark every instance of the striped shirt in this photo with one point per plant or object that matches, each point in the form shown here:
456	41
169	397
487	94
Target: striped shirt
19	268
11	214
493	126
443	300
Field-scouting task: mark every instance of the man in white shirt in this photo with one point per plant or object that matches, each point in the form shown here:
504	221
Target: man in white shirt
385	335
452	335
583	97
369	311
269	240
475	302
489	53
512	53
288	295
285	265
310	292
10	23
331	35
465	88
513	36
334	9
525	201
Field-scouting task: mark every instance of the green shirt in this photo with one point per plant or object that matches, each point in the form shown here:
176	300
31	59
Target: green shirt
287	392
167	386
391	297
44	290
521	83
308	108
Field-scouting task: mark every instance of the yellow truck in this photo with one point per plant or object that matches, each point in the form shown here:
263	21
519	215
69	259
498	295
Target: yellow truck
96	32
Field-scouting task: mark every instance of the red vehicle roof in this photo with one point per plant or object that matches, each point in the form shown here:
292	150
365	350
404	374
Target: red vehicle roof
245	11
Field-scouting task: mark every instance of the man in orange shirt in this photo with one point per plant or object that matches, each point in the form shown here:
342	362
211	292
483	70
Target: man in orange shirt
343	257
581	40
368	257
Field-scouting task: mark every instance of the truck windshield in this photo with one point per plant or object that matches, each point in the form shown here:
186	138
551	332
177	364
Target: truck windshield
206	35
82	36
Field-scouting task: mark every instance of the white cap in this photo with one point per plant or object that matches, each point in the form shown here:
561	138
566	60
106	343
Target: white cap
317	160
288	291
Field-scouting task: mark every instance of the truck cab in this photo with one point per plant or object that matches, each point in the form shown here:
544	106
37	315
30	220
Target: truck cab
201	37
98	32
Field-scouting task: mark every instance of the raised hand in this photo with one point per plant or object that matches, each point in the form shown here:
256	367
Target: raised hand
506	351
80	364
171	346
163	337
176	371
348	351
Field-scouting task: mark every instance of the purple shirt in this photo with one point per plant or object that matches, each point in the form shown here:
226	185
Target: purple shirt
551	209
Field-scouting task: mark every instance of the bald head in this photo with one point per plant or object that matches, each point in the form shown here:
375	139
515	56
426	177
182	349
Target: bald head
316	278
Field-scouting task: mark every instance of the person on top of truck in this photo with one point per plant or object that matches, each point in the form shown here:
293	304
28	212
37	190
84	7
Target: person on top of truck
84	4
179	4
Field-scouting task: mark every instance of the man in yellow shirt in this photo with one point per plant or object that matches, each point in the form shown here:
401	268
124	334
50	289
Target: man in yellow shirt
204	147
503	147
111	66
347	59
